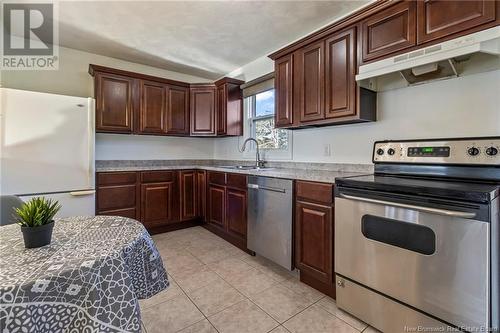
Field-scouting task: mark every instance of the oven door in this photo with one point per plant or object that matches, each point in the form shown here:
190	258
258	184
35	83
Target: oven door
433	259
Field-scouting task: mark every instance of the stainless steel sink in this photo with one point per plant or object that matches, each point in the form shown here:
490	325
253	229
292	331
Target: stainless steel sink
245	167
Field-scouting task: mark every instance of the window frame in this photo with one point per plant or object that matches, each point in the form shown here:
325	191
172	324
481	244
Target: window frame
249	107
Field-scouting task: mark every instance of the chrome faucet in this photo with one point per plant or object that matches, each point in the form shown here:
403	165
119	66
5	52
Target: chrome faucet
258	162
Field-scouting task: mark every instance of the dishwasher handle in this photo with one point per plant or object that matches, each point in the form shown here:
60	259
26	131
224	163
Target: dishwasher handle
266	188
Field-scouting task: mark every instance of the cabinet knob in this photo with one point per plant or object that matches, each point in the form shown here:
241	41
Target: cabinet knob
340	283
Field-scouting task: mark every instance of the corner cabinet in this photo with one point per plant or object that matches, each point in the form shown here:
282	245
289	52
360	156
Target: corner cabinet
314	229
229	107
133	103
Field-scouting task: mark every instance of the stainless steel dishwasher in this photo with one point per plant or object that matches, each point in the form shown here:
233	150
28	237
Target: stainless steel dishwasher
270	212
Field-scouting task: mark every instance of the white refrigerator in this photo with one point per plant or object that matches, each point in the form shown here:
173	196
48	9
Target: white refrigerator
47	149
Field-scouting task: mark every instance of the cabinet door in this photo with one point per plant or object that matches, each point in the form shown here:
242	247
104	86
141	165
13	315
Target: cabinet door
222	110
391	30
114	104
312	82
188	195
441	18
340	69
236	212
201	193
314	240
217	205
283	82
203	111
156	204
153	108
177	110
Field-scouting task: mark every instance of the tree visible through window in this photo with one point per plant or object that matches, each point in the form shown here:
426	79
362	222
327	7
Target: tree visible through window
261	115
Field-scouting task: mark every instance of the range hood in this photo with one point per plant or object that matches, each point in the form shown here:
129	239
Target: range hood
474	53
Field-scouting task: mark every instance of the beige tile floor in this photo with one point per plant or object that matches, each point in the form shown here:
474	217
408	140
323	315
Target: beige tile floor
215	287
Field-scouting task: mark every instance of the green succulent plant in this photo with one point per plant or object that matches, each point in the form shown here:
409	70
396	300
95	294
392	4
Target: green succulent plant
36	212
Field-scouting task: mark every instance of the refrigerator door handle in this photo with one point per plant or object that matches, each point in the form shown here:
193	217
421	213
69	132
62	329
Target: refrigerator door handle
82	193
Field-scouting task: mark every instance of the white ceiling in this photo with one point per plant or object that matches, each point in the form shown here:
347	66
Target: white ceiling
202	38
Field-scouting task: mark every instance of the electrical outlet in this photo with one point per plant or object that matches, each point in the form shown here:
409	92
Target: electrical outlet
327	149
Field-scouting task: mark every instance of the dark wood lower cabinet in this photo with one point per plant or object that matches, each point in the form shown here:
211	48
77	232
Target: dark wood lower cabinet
117	194
201	194
227	207
217	206
168	200
236	212
156	204
314	230
161	200
188	196
313	241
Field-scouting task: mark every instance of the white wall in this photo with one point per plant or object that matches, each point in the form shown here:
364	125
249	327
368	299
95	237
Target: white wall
467	106
73	78
147	147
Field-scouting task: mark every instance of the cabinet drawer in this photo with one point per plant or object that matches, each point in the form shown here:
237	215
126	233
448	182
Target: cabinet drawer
218	178
316	192
116	178
157	176
116	197
236	180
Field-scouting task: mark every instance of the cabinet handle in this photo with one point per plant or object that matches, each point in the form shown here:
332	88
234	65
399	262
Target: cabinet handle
82	193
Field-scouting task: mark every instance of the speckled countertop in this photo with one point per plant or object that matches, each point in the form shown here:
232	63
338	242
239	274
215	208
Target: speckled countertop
321	172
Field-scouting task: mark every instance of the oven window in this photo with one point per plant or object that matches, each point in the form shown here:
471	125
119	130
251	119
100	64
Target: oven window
405	235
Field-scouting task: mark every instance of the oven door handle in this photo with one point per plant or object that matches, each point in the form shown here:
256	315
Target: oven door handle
452	213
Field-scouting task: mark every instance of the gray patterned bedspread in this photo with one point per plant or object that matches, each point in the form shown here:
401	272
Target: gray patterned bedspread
89	279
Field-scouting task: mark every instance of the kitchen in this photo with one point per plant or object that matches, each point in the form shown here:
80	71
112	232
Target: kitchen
337	175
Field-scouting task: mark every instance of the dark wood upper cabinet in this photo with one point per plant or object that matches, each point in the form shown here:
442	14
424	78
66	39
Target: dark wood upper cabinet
177	110
283	78
314	240
391	30
217	206
153	109
188	193
340	69
114	103
221	110
311	80
441	18
229	107
129	102
203	102
236	212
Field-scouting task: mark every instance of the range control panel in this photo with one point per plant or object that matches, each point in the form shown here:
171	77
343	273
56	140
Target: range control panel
480	151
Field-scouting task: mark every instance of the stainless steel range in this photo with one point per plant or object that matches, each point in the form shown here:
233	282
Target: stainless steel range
417	242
